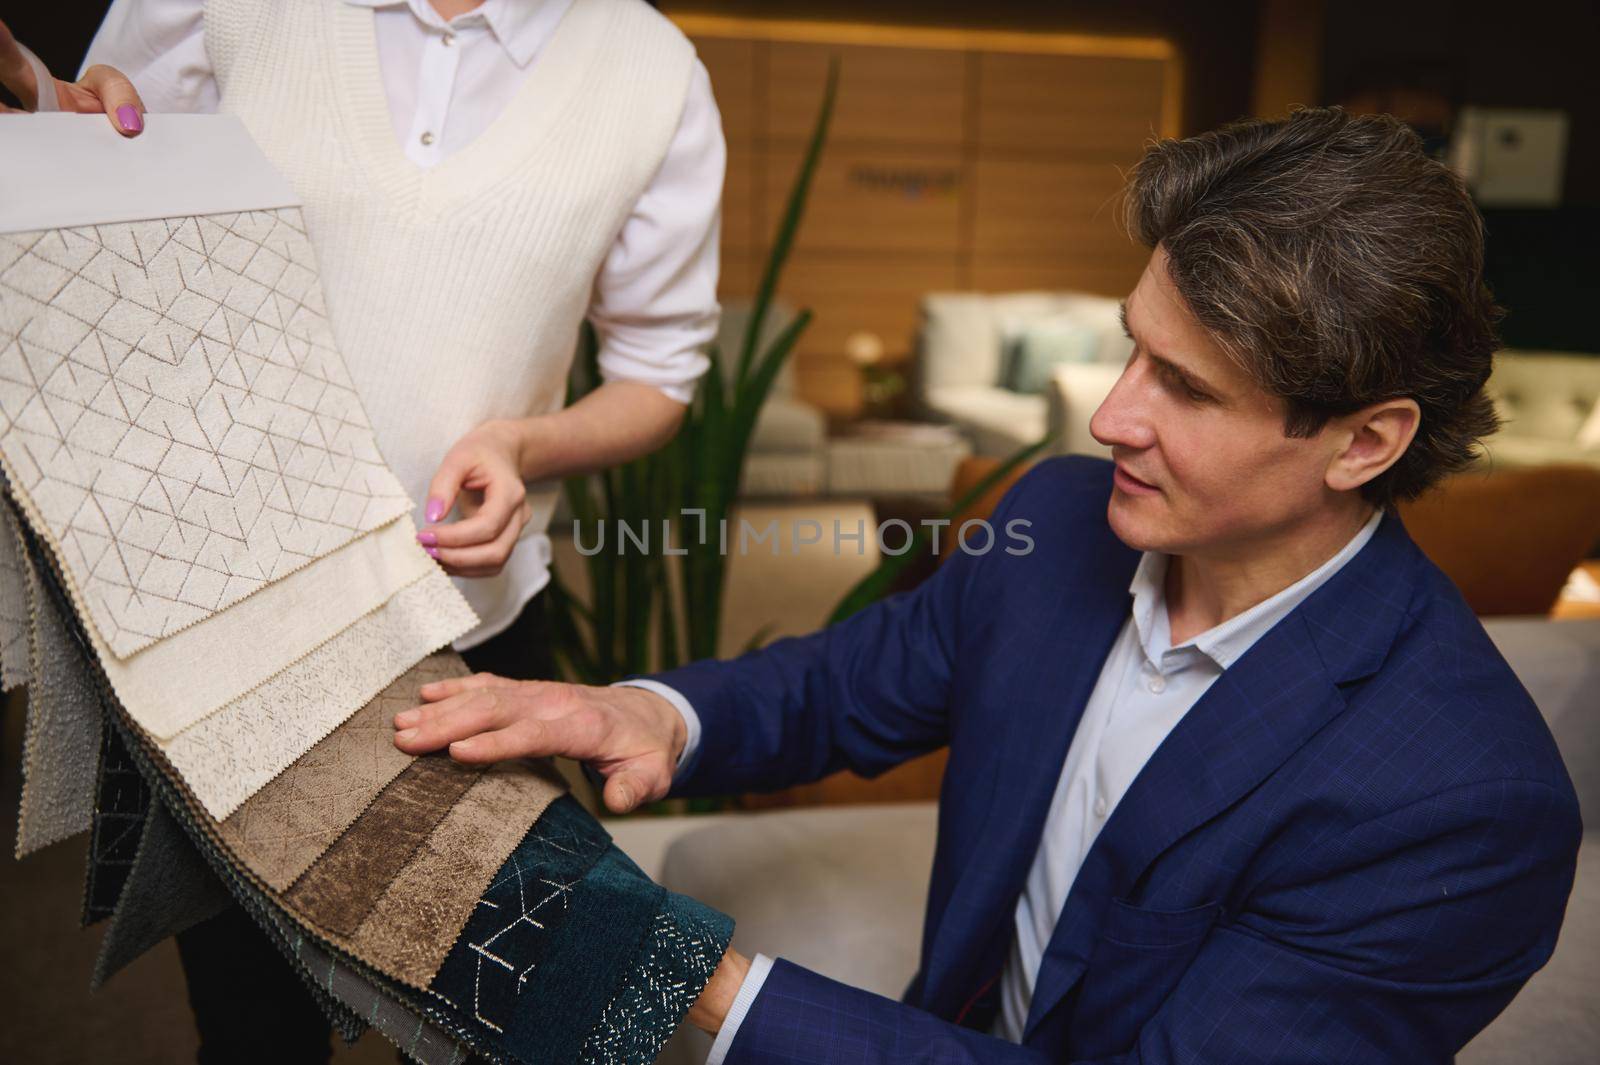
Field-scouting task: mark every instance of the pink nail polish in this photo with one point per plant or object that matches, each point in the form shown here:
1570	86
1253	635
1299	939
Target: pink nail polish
129	118
433	552
427	539
435	509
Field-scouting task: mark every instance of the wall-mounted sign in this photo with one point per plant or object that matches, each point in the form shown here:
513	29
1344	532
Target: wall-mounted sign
912	183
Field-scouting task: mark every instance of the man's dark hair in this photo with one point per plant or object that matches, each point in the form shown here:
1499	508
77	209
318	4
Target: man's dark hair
1340	266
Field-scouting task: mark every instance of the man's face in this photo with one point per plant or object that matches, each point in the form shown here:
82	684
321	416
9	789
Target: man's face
1203	465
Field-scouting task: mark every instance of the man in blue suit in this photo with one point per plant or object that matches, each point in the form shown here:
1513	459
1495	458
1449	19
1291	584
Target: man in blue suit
1235	775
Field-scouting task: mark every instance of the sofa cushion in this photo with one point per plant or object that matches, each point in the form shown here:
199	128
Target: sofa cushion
1545	395
1030	357
962	333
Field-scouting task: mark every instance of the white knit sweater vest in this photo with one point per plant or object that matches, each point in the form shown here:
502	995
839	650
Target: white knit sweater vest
456	292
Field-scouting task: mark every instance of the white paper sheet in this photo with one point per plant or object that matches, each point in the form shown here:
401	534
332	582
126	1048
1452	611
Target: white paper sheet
54	167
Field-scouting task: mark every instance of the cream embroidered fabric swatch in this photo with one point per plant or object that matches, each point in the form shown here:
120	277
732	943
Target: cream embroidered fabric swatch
233	753
175	683
173	409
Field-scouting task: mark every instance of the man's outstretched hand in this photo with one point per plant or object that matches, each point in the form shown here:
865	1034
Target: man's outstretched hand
631	736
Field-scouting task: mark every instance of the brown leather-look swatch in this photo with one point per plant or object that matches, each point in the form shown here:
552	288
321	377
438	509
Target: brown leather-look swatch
413	926
341	887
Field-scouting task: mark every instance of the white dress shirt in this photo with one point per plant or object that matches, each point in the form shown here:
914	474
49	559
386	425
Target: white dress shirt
1145	687
654	307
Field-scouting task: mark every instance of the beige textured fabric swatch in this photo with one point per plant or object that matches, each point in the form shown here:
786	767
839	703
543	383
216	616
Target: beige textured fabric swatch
174	409
230	755
169	686
61	737
281	829
422	912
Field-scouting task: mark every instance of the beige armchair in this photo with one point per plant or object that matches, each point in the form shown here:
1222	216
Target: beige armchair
1549	403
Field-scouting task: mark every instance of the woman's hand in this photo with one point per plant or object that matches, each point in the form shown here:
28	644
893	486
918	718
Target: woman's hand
480	476
101	88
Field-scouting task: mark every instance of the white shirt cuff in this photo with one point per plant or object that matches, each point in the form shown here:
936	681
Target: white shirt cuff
44	82
691	719
760	966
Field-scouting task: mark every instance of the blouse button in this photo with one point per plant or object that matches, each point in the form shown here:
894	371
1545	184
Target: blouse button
427	139
1100	806
448	39
1157	684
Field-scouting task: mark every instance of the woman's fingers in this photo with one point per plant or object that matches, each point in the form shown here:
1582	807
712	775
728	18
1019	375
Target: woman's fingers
483	560
503	497
104	88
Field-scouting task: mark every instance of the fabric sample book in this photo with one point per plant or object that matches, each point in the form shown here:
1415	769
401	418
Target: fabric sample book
210	584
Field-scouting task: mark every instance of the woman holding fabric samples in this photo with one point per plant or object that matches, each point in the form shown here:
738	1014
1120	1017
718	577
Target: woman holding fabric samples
478	177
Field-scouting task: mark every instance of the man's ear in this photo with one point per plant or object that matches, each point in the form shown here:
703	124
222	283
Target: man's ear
1372	440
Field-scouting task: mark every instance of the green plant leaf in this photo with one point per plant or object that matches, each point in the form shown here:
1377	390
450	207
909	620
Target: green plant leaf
793	212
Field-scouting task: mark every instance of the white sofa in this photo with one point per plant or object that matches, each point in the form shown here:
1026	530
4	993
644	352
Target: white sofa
957	373
1549	404
842	889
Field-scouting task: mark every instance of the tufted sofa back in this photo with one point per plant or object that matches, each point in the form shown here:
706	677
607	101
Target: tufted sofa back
1548	395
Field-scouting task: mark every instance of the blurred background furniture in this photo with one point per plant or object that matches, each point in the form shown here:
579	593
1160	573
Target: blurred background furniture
885	458
1509	567
986	362
1549	403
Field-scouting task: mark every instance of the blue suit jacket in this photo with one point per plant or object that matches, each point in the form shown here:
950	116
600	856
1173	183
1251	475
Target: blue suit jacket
1355	847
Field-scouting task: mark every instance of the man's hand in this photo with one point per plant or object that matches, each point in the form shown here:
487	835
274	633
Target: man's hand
631	736
101	88
711	1008
481	475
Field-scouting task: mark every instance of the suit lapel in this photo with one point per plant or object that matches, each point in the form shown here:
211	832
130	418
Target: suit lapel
1061	644
1252	718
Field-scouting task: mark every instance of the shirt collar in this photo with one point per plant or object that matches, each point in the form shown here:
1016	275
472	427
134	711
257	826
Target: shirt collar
520	26
1224	644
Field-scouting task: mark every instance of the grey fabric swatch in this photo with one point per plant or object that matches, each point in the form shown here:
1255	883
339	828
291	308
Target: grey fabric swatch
417	1038
14	619
170	888
61	741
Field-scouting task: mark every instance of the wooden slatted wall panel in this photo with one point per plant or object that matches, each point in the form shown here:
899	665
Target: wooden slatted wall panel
957	160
